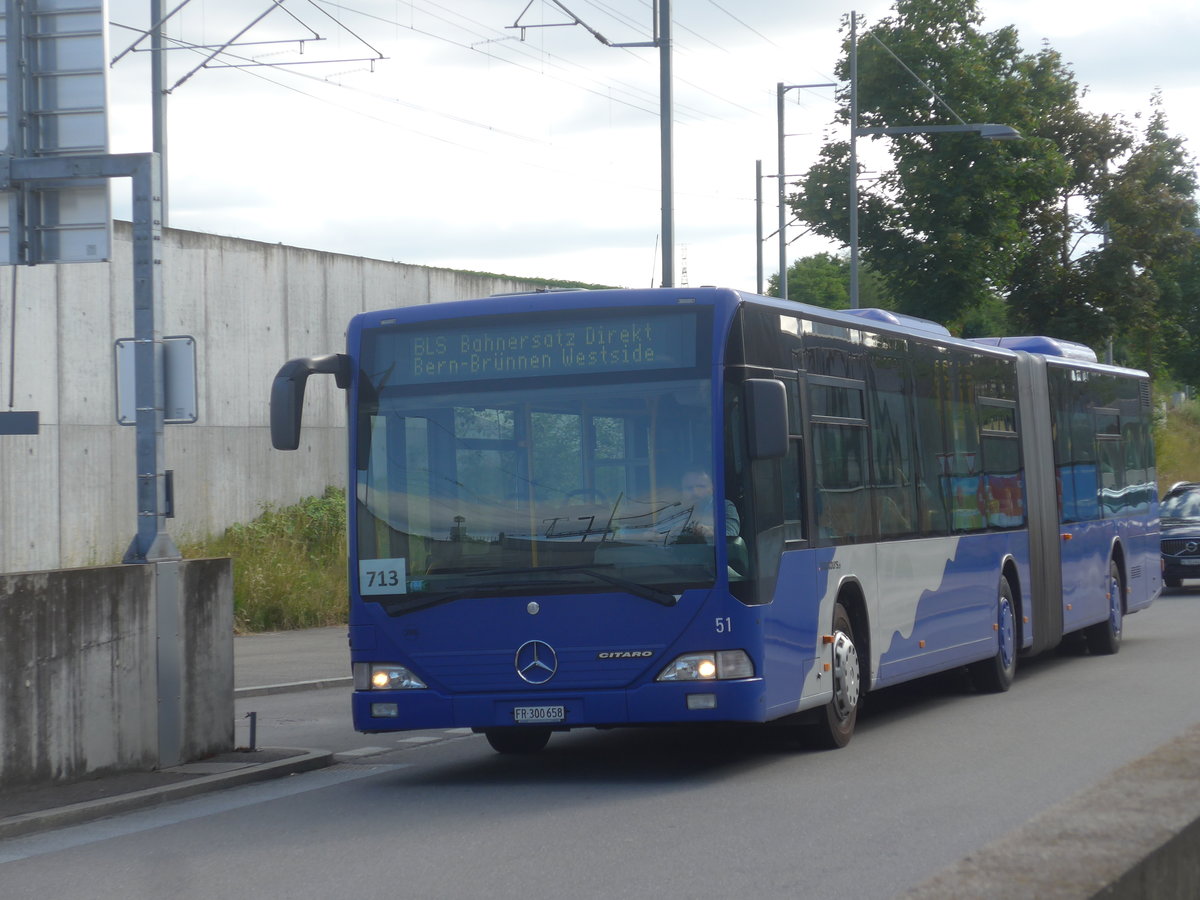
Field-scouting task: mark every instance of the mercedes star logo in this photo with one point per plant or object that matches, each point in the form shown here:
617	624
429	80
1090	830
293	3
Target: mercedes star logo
536	662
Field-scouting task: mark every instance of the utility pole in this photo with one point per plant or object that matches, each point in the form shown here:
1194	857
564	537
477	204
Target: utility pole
780	90
158	102
853	198
783	285
665	138
758	229
662	40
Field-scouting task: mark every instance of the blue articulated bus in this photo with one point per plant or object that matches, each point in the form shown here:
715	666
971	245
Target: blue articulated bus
635	507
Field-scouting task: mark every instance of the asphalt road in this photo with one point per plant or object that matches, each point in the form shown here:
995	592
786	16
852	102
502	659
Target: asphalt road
933	773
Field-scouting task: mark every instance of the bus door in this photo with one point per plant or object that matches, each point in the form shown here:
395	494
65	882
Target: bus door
787	575
1086	534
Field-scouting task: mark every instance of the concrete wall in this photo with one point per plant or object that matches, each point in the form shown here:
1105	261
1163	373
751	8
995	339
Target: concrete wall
1133	836
68	495
80	668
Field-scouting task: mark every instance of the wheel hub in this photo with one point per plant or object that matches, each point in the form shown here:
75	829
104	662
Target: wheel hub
1114	604
846	674
1007	632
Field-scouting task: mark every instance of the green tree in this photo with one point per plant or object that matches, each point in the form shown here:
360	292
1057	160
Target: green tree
1179	282
1134	284
1146	209
824	280
954	217
1084	229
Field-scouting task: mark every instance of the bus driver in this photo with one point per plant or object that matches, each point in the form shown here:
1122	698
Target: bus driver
696	489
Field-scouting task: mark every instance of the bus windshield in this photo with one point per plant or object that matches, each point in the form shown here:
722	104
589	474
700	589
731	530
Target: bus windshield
534	485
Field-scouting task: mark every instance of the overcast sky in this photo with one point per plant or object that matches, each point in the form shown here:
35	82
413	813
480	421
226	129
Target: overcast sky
477	146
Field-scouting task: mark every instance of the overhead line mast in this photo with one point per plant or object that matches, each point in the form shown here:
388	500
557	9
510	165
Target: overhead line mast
662	40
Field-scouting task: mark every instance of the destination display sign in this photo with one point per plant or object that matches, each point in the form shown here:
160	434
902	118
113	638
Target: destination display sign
474	351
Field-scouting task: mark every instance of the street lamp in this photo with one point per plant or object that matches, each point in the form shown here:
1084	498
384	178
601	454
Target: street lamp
987	131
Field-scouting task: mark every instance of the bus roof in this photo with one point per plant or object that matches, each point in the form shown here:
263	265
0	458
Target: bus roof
1056	348
1044	346
914	323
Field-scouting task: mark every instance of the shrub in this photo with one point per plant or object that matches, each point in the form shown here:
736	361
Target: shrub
289	564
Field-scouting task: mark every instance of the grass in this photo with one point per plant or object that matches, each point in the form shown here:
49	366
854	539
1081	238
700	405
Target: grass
289	565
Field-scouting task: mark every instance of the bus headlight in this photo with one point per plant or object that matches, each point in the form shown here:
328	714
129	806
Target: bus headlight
385	677
713	665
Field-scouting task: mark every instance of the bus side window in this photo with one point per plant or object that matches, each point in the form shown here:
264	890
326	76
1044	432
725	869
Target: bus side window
930	384
964	478
891	439
841	467
1111	454
840	462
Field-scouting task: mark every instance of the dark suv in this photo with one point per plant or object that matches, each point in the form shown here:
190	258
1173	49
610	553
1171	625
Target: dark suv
1180	512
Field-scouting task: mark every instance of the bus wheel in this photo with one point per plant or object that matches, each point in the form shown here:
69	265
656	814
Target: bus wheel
517	740
995	675
835	725
1105	637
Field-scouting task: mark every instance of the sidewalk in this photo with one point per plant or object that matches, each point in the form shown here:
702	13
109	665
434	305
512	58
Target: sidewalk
263	664
280	661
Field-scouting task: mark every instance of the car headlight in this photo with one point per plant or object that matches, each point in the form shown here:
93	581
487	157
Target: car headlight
712	665
385	677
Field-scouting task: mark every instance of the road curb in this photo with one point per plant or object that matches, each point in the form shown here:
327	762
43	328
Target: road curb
76	813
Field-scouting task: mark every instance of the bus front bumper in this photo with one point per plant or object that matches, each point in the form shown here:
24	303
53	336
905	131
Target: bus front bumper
658	703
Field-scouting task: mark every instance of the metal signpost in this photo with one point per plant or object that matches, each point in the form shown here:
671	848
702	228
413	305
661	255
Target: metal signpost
55	177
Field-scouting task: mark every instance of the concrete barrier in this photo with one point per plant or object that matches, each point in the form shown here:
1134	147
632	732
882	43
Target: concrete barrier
1133	836
90	684
70	492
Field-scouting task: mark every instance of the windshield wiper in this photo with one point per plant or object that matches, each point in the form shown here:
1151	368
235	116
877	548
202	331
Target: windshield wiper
645	591
418	601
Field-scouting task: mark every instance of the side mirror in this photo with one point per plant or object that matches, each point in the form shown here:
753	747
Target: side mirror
766	411
287	394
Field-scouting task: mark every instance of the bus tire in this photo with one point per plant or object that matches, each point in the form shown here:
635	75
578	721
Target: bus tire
1105	637
835	724
517	740
995	675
